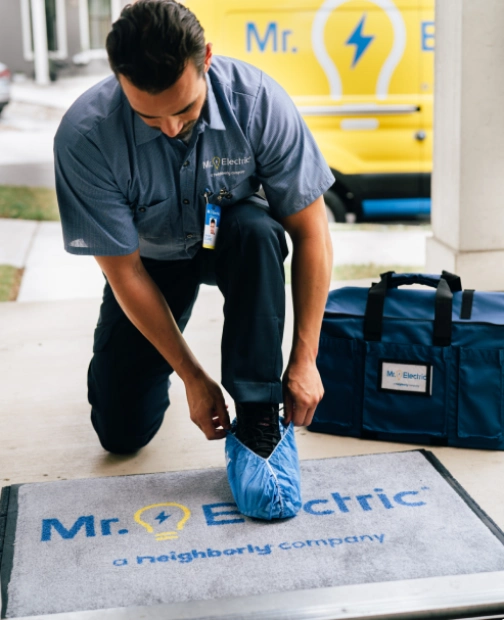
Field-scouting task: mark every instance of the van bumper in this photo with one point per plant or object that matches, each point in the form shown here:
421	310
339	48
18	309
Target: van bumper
372	196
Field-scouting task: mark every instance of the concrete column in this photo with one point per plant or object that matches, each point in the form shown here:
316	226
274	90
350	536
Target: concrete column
468	176
40	42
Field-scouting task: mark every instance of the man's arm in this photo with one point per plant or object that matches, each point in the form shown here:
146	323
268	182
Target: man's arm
311	275
144	305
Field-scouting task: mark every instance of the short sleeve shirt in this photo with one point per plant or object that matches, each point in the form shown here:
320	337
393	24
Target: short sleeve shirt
123	185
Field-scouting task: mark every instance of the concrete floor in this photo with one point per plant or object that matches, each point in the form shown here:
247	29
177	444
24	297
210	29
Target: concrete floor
45	432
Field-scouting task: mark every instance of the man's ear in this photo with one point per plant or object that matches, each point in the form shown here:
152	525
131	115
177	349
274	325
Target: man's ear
208	56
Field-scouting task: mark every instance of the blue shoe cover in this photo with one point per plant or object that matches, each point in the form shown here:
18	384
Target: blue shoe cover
265	488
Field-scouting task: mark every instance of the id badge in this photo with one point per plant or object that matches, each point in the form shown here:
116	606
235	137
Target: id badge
212	222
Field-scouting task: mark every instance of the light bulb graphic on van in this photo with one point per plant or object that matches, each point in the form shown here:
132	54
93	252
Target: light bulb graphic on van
361	42
165	519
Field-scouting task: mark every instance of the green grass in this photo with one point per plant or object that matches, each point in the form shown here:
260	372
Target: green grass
10	281
361	272
28	203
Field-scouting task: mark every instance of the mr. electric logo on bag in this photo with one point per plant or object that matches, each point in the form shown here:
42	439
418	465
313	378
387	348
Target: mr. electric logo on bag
394	374
405	374
406	377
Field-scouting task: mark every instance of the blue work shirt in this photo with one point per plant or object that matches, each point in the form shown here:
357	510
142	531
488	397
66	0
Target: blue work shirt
123	185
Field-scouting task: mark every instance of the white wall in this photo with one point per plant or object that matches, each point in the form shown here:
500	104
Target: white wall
468	176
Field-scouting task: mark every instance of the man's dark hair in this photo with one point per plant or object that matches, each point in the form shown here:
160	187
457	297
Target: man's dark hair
152	42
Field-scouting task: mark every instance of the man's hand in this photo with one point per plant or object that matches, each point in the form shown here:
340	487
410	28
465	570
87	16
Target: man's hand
302	391
207	407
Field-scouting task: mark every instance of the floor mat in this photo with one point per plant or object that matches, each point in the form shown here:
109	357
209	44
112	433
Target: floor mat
173	537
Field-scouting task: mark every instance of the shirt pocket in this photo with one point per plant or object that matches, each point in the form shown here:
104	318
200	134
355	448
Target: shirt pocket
157	220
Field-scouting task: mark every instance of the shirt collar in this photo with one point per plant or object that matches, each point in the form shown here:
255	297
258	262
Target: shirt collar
212	118
143	133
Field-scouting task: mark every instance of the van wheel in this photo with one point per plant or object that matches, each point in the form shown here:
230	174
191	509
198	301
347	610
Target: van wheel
335	207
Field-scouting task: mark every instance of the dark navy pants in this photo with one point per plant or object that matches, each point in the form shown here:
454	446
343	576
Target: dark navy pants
128	379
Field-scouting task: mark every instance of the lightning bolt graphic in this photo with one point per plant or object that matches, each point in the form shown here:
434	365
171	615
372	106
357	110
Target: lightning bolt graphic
162	517
360	41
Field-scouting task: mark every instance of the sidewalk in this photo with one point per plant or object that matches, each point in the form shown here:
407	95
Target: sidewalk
53	274
56	96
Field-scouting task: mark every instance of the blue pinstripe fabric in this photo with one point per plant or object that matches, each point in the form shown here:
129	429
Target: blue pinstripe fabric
122	184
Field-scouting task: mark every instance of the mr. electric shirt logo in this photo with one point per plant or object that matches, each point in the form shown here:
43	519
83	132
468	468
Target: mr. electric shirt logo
215	162
226	166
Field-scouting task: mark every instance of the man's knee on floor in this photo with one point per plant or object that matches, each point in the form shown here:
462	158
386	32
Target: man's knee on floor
122	445
119	441
115	447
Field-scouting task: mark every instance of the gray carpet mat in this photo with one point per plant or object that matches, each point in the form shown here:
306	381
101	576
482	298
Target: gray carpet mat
173	537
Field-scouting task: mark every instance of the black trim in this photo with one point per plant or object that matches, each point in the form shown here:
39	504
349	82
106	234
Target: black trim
478	511
6	564
378	186
386	185
4	503
467	304
425	185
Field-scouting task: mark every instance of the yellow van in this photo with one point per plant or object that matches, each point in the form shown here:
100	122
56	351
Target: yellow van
361	73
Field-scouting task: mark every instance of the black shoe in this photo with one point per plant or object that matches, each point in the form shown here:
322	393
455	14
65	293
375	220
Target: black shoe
257	426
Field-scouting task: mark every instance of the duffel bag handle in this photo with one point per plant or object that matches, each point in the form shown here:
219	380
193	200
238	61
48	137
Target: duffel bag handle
373	319
399	279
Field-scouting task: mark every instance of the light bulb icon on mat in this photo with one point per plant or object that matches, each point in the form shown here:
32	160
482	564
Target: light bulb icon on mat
164	518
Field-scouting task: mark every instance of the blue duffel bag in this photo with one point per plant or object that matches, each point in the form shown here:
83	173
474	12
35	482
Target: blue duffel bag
413	365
